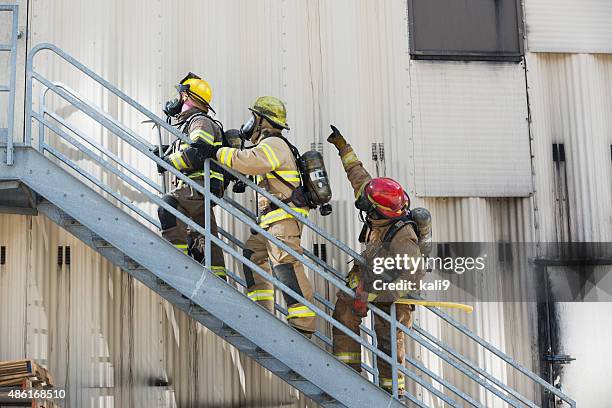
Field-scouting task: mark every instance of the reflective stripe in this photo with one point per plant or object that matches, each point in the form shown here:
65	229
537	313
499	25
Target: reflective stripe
177	161
269	152
349	158
216	175
287	175
349	357
218	270
213	175
388	383
263	294
182	247
225	155
280	214
299	311
353	281
207	137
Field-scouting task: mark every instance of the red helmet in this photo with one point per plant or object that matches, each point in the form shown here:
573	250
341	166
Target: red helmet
384	195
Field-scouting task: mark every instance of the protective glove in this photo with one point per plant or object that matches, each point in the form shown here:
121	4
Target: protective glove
155	150
360	303
336	138
205	150
160	169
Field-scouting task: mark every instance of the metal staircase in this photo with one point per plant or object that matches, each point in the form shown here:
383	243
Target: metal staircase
125	233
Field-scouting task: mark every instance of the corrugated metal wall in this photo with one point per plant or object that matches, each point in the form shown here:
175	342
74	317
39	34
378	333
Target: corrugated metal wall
571	101
341	61
569	26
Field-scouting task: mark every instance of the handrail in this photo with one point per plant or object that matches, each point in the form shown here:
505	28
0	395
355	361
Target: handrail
314	263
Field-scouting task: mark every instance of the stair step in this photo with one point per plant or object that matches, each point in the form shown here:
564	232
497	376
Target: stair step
304	385
100	242
237	339
270	362
132	264
68	220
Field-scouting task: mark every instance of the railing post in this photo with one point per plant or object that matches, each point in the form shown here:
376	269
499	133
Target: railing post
393	346
11	86
207	209
375	346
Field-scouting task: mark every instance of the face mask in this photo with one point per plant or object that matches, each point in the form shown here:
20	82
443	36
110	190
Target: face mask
173	107
246	130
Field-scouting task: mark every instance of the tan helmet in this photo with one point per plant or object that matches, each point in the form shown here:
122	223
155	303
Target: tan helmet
271	108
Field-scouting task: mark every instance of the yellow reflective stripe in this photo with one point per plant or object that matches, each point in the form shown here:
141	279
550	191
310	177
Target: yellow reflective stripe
269	152
218	270
216	175
280	214
213	175
182	248
299	311
388	382
258	179
201	134
349	357
353	281
263	294
177	161
226	154
287	175
349	158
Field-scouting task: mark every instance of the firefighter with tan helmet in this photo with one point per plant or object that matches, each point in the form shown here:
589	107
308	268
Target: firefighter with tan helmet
190	112
273	161
389	230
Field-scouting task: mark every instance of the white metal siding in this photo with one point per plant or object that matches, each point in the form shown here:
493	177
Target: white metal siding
470	129
569	26
571	101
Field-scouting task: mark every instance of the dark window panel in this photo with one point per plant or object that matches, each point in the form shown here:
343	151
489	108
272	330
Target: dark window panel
466	29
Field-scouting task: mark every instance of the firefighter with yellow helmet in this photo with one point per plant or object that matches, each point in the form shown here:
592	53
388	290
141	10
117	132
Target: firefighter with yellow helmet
190	112
272	160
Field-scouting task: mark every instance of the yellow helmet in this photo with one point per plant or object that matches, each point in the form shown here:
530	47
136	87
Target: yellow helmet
272	109
196	87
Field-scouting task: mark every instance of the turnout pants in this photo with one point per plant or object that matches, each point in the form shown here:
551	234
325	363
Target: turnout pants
285	267
190	203
349	351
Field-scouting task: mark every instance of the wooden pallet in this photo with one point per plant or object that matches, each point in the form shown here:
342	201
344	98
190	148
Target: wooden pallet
13	373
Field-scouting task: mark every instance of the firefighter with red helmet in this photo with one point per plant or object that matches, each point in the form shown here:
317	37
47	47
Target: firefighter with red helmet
388	232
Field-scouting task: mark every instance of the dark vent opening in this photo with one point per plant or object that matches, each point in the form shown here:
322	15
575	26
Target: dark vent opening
3	255
324	252
67	255
60	255
558	152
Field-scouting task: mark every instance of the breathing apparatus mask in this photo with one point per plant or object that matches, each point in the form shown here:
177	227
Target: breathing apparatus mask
248	128
174	106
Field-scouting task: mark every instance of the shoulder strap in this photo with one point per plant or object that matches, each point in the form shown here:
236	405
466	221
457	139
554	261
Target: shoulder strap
282	180
397	226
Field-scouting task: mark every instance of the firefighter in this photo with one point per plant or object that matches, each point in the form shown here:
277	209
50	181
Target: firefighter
190	109
387	232
273	163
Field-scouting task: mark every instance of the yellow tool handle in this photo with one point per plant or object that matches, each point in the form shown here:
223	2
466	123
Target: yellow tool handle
451	305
